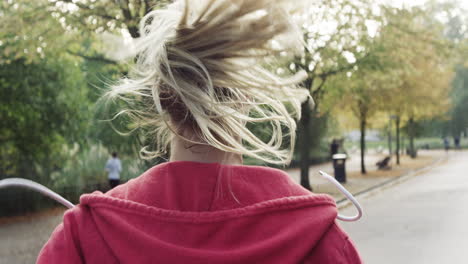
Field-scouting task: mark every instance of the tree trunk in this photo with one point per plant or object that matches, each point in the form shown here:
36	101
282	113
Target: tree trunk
363	110
390	138
305	144
397	152
411	138
363	144
402	145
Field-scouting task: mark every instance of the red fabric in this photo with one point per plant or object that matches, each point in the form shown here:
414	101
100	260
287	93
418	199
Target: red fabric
187	212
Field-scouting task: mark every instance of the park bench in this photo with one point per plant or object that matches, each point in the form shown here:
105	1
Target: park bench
384	164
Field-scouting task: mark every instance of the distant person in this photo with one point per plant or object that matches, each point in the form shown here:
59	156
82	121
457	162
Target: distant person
457	142
446	144
114	167
334	147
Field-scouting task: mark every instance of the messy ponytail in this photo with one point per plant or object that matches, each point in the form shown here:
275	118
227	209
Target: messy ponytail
203	65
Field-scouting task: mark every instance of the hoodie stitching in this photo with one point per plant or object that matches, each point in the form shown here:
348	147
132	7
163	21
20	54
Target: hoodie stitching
196	219
203	217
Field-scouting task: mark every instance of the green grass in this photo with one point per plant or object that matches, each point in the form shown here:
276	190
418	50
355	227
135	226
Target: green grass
438	143
420	143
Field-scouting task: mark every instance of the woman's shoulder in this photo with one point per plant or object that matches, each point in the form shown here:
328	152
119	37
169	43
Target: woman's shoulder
334	247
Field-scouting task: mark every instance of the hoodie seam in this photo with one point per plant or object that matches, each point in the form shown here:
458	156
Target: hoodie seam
194	218
204	217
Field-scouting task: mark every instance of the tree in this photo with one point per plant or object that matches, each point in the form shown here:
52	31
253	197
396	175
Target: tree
37	25
363	90
106	15
456	31
29	32
361	93
37	30
398	78
415	69
337	34
459	96
43	106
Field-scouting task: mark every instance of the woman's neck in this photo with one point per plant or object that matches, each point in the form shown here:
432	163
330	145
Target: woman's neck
182	150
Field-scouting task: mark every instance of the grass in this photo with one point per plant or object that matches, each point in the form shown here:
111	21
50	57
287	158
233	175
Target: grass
420	143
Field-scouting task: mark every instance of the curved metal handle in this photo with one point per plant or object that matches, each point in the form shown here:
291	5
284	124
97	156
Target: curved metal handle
348	195
24	183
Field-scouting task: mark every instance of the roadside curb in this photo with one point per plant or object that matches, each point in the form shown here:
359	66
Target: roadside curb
344	202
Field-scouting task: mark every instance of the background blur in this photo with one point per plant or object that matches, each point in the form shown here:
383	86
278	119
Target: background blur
389	79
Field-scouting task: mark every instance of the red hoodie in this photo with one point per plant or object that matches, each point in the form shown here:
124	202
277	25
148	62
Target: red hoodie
188	212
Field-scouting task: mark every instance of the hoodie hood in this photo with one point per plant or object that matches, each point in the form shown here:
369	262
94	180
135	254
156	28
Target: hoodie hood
188	212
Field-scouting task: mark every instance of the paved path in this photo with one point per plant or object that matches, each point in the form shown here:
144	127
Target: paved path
21	242
422	220
353	164
357	182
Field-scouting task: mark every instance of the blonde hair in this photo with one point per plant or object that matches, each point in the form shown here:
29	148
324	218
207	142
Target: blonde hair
203	65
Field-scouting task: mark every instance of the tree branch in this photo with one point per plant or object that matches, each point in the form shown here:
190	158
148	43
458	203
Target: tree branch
349	66
128	18
147	6
92	58
137	8
318	91
85	7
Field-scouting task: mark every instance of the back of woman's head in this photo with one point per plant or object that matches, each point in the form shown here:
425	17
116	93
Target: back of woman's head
206	68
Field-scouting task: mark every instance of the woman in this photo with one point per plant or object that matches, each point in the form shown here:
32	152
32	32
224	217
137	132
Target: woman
201	80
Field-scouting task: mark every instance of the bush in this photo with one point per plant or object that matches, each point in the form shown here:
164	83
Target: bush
81	172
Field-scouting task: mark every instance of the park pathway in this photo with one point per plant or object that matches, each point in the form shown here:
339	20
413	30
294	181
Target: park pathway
422	220
21	242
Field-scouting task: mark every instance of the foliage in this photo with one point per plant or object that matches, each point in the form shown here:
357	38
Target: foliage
406	74
30	32
30	29
459	94
42	107
85	167
457	32
337	34
105	15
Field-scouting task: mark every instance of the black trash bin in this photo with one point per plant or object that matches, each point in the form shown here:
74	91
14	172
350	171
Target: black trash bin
339	165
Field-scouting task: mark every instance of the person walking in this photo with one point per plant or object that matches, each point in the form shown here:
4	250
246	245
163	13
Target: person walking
334	147
456	140
446	144
114	167
203	78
